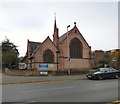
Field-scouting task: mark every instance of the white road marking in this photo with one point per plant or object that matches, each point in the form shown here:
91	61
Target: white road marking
39	90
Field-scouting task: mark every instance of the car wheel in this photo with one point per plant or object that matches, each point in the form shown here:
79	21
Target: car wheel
116	76
100	77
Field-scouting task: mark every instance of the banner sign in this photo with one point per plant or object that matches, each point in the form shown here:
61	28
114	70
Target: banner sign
43	67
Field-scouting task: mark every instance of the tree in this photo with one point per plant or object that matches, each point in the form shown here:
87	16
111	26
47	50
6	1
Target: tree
106	59
9	54
116	58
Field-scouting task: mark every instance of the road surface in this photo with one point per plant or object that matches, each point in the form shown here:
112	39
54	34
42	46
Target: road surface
62	91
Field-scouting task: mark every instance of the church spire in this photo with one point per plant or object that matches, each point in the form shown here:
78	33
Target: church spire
55	33
55	25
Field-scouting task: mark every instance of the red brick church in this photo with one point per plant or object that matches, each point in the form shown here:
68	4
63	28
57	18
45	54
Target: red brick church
68	51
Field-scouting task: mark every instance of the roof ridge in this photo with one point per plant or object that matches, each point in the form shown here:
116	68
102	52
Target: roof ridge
41	45
33	42
61	38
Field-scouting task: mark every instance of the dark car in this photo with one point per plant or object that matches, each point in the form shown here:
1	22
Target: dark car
102	73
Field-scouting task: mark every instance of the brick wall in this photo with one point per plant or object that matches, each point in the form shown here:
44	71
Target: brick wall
22	73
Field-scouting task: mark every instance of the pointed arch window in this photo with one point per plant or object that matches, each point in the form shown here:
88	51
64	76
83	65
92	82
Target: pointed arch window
75	48
48	56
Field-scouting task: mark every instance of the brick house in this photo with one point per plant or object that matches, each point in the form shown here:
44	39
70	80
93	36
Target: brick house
98	57
69	51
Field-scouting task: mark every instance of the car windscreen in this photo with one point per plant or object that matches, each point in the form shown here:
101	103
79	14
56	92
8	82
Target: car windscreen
102	69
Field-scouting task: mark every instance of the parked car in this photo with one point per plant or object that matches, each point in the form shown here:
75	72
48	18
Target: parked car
102	73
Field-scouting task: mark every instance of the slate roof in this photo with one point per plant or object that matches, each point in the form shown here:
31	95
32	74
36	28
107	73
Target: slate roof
62	38
24	59
33	46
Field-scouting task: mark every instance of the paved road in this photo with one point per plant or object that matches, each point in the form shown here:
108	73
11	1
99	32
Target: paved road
63	91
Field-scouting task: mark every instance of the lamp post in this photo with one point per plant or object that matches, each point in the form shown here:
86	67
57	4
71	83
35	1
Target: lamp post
68	50
57	58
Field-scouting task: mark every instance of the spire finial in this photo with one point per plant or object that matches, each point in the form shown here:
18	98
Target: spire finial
55	15
55	25
75	23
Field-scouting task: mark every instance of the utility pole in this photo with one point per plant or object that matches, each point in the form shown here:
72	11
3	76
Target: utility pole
68	51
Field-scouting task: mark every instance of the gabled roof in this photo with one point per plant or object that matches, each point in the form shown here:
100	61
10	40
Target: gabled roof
50	40
64	36
41	45
33	45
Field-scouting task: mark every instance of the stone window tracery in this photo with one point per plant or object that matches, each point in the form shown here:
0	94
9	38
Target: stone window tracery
75	48
48	56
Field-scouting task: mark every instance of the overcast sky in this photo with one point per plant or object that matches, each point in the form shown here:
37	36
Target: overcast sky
97	22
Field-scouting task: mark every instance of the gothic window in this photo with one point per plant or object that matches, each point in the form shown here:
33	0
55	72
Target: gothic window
48	56
75	48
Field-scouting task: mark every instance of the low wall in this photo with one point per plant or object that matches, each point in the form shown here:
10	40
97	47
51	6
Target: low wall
29	73
38	73
22	73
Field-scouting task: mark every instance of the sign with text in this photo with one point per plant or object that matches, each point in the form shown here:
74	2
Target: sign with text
43	73
41	67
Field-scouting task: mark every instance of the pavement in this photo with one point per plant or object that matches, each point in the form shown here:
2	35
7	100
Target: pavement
7	79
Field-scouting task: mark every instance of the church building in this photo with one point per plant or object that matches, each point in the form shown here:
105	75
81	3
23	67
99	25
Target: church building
68	51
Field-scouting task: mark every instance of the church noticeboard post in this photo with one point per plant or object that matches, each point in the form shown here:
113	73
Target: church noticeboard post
41	68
